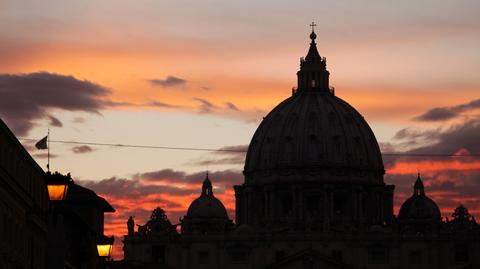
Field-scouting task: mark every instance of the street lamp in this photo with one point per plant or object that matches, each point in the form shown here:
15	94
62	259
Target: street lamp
104	246
57	185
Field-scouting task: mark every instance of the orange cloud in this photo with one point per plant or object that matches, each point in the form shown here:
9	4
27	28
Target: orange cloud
428	166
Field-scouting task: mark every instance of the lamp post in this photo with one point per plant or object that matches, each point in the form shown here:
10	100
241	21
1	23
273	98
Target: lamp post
104	247
57	188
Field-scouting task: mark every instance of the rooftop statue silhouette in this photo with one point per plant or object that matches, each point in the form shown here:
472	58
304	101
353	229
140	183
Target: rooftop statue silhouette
131	225
157	224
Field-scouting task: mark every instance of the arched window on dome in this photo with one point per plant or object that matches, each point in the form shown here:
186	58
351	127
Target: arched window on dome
337	144
331	118
314	145
358	150
287	153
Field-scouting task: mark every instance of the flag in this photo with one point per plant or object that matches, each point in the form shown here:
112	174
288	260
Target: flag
42	144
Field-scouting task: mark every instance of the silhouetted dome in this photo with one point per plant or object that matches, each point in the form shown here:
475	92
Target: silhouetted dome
316	132
314	135
419	206
207	206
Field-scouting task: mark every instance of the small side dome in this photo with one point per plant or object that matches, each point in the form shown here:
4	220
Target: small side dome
419	206
206	214
207	205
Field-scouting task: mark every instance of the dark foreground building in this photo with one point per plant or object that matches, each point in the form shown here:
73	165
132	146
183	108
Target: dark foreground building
36	233
314	196
23	206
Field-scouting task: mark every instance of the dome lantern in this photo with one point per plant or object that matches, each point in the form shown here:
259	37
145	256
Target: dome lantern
207	187
313	74
418	188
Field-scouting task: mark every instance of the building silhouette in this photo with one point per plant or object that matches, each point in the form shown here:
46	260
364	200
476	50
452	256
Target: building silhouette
74	228
314	196
23	206
36	233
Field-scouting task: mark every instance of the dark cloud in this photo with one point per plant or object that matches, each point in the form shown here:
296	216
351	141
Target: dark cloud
225	155
160	104
117	104
54	121
205	105
446	113
237	150
45	155
25	98
236	160
437	114
411	134
459	136
165	174
225	177
218	178
231	106
386	147
166	203
169	81
132	188
419	144
205	88
82	149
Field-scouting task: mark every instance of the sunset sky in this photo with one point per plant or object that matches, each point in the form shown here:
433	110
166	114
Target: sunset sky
202	74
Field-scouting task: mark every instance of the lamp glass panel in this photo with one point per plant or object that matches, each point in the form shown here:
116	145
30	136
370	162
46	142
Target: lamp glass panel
104	250
56	192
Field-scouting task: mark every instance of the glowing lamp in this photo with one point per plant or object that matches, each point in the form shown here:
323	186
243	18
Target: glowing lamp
57	185
104	246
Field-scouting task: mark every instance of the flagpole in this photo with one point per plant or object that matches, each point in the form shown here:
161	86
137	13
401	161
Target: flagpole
48	150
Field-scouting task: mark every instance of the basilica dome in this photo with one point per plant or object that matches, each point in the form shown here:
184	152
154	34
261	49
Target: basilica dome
314	134
207	205
419	206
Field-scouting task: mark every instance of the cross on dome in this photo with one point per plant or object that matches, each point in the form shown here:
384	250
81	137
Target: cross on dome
313	26
313	35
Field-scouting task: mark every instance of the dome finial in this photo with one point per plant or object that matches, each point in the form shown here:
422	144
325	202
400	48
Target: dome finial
418	188
313	35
